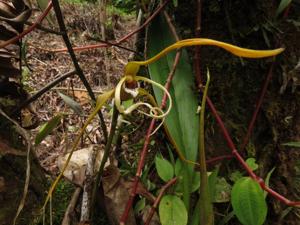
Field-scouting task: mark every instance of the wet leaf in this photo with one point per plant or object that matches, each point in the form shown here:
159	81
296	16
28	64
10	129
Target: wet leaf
248	202
172	211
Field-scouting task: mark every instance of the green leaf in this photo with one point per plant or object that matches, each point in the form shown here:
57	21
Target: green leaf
164	169
295	144
139	206
267	180
172	211
182	122
251	162
212	178
47	128
282	6
175	3
42	4
179	172
222	190
72	104
248	202
235	176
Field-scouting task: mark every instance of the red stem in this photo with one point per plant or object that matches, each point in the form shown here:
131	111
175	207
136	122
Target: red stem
215	159
242	161
257	108
29	29
158	199
138	173
121	39
145	146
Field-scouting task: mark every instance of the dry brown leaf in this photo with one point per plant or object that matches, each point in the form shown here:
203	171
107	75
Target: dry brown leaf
116	196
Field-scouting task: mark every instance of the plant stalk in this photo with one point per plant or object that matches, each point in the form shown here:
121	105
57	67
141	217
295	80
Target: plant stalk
206	208
78	69
107	148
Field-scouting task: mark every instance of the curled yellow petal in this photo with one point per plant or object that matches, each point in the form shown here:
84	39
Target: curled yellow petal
133	66
154	111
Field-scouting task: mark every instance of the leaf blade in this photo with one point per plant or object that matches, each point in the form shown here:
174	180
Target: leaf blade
248	202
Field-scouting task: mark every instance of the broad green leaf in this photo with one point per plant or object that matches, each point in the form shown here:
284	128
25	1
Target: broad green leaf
72	104
164	169
179	172
248	202
47	128
172	211
295	144
282	6
182	122
251	162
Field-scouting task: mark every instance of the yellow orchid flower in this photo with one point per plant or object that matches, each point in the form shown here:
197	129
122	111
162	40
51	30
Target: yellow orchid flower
130	75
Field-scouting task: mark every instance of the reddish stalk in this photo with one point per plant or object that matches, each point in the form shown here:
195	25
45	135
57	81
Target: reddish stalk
29	29
103	45
262	94
145	146
232	147
218	158
257	107
158	199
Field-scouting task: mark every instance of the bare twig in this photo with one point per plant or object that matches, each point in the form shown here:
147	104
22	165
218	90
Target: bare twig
78	69
41	27
71	207
29	29
158	10
43	91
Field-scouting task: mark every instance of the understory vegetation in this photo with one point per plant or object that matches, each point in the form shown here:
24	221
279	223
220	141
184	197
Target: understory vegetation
149	112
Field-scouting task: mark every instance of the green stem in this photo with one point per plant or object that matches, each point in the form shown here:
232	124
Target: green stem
105	157
206	209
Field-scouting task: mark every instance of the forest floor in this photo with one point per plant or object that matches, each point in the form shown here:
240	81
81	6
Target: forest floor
102	68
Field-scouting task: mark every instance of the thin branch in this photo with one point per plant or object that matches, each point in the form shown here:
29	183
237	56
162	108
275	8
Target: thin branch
78	69
41	27
158	10
43	91
29	29
257	107
158	199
